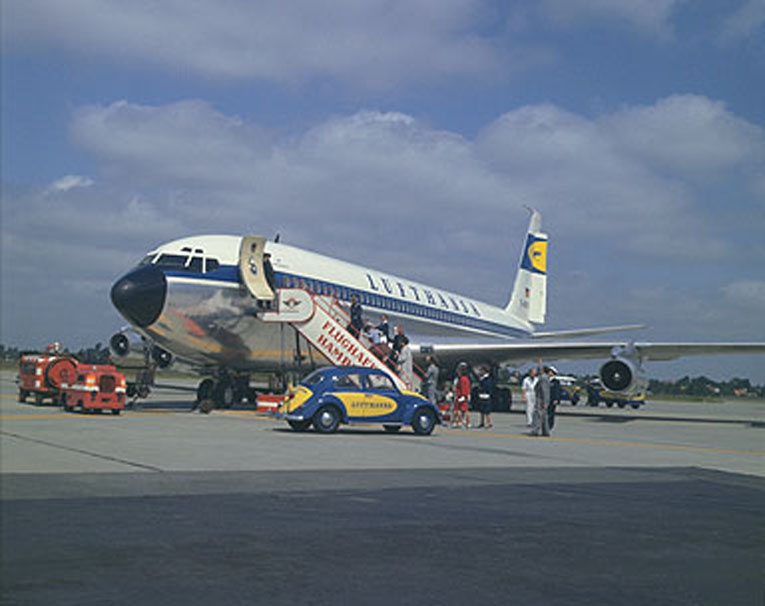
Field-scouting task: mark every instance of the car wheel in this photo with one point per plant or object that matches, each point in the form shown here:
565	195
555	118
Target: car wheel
326	419
609	404
635	406
424	421
391	428
300	425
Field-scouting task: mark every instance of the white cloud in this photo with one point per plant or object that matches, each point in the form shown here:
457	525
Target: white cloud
375	43
70	182
688	133
745	22
649	16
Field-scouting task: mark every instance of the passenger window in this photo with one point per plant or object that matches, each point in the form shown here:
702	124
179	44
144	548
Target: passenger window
348	382
380	382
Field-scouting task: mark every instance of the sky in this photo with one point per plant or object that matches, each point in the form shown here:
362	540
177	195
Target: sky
405	135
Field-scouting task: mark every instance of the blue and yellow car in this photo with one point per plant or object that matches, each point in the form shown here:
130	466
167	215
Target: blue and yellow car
350	394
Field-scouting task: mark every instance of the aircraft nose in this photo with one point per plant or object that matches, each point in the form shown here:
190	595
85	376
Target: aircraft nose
140	295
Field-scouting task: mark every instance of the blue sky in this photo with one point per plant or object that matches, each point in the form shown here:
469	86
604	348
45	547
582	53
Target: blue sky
402	135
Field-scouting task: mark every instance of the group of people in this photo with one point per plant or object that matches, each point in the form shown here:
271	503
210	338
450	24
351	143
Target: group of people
541	390
394	351
463	391
542	393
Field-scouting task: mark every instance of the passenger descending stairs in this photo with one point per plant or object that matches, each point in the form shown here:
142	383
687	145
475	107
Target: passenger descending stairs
323	323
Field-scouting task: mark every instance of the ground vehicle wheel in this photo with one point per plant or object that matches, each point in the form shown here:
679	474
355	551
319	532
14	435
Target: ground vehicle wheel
391	428
635	406
300	425
115	411
326	419
609	404
622	404
424	421
38	399
574	400
22	395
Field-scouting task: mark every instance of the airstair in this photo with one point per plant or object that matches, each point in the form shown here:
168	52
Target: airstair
323	322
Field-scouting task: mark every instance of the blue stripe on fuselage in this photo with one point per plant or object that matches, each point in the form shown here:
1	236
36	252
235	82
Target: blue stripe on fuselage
382	303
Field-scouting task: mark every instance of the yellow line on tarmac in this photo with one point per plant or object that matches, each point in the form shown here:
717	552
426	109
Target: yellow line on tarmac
592	442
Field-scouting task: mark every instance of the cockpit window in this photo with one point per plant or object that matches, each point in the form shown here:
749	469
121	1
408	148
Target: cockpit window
195	265
172	261
212	264
147	259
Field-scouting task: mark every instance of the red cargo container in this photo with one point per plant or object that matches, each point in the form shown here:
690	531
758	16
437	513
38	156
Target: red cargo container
42	375
95	387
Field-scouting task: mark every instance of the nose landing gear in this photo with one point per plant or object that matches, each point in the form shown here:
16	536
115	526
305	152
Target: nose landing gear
224	391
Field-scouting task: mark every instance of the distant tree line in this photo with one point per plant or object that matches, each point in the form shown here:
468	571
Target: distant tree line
97	354
706	387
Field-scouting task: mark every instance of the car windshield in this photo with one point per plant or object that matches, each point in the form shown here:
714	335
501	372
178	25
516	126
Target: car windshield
314	378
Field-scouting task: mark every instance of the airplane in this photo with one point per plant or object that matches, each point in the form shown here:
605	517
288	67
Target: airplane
206	300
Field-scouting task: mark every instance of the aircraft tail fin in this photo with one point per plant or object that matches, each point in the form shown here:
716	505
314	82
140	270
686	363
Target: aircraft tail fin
528	301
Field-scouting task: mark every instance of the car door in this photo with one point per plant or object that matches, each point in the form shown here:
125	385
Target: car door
382	398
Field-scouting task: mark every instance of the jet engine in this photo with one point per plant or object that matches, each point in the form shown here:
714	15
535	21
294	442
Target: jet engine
161	357
129	350
623	373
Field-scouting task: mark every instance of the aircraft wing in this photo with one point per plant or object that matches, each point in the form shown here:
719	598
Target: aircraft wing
517	353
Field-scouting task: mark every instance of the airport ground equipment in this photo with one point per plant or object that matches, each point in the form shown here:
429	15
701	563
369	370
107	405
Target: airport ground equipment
95	387
323	322
41	375
597	394
332	396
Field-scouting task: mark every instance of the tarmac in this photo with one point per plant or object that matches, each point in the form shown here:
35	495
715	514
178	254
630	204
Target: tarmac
161	505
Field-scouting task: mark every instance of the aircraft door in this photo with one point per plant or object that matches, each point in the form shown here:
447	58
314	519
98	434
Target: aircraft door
251	268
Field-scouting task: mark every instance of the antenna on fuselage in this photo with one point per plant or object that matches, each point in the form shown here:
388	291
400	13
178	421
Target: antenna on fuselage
277	238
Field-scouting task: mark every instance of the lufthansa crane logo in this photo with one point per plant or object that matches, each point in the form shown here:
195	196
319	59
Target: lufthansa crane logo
535	259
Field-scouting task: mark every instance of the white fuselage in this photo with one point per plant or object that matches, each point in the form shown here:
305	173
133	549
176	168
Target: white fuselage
209	318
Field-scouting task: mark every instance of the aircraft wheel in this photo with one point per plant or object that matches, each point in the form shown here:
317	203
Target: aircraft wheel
205	390
326	419
424	421
224	394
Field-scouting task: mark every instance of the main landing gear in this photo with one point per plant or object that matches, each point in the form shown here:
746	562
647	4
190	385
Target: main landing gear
224	391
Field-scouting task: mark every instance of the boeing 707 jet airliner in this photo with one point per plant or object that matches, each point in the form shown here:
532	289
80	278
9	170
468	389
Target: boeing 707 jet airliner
211	301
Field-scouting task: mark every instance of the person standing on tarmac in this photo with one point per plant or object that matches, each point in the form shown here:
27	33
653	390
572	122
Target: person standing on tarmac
540	425
430	384
555	395
462	397
486	397
529	384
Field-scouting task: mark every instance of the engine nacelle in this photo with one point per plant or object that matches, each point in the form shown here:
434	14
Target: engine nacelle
129	350
623	376
162	358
